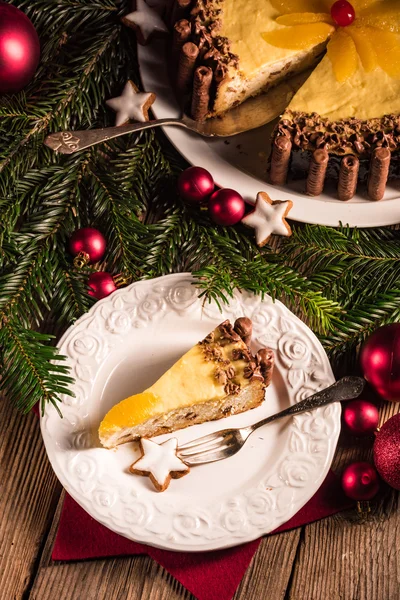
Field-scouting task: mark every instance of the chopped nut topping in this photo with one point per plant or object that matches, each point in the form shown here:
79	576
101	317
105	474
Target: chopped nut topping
230	372
221	376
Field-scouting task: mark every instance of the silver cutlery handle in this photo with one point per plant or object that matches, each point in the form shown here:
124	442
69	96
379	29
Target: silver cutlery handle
68	142
344	389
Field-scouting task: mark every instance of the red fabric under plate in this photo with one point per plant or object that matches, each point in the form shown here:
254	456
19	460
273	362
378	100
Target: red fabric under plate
208	575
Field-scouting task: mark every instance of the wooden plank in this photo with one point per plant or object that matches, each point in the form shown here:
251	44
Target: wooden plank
28	497
345	556
135	578
271	568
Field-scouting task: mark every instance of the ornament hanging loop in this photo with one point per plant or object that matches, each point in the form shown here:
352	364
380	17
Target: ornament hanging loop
122	279
81	260
363	510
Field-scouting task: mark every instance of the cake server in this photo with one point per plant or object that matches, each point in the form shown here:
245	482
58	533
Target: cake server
253	113
227	442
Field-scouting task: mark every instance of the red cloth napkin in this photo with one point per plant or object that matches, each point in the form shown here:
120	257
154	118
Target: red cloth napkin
208	575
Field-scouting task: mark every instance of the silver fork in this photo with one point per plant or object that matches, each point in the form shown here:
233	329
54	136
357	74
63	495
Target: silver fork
227	442
253	113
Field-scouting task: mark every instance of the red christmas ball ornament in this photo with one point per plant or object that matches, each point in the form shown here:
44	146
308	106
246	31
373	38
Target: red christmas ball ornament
19	49
343	13
87	245
360	481
380	361
101	285
387	452
195	185
226	207
360	417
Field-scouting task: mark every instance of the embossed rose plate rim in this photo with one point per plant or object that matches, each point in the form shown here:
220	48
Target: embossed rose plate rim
232	521
203	152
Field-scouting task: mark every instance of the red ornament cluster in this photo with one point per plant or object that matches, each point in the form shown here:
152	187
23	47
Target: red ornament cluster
88	245
19	49
196	186
343	13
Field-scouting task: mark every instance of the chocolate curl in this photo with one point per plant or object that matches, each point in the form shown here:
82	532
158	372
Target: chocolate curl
201	93
316	172
187	61
178	9
265	359
181	35
378	173
281	151
244	327
348	176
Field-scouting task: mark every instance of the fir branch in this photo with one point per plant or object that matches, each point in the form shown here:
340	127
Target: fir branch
349	264
29	374
360	321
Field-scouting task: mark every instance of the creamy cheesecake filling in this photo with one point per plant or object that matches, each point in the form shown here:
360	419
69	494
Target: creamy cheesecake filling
363	96
242	22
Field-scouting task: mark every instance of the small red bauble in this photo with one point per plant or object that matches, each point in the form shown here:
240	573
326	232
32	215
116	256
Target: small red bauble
387	452
88	245
380	361
360	417
226	207
343	13
360	481
195	185
19	49
102	285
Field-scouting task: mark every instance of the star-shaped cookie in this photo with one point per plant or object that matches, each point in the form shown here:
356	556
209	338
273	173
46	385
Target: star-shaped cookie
159	462
131	104
145	21
268	218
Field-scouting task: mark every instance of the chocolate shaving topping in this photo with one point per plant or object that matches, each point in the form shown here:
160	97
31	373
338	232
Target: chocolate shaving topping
232	388
228	333
265	359
348	136
249	370
241	354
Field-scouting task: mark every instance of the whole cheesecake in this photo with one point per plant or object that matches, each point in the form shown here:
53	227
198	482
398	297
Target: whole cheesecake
344	121
216	378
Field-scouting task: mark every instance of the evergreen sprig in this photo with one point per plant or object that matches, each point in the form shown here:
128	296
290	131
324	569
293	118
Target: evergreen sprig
343	282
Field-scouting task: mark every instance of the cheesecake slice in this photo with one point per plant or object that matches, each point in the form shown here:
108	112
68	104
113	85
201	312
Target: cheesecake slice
221	59
216	378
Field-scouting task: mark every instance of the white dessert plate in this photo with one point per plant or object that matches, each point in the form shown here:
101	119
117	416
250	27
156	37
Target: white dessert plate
240	162
120	347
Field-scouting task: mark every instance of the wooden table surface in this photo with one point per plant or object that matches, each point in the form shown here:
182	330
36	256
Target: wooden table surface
341	557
